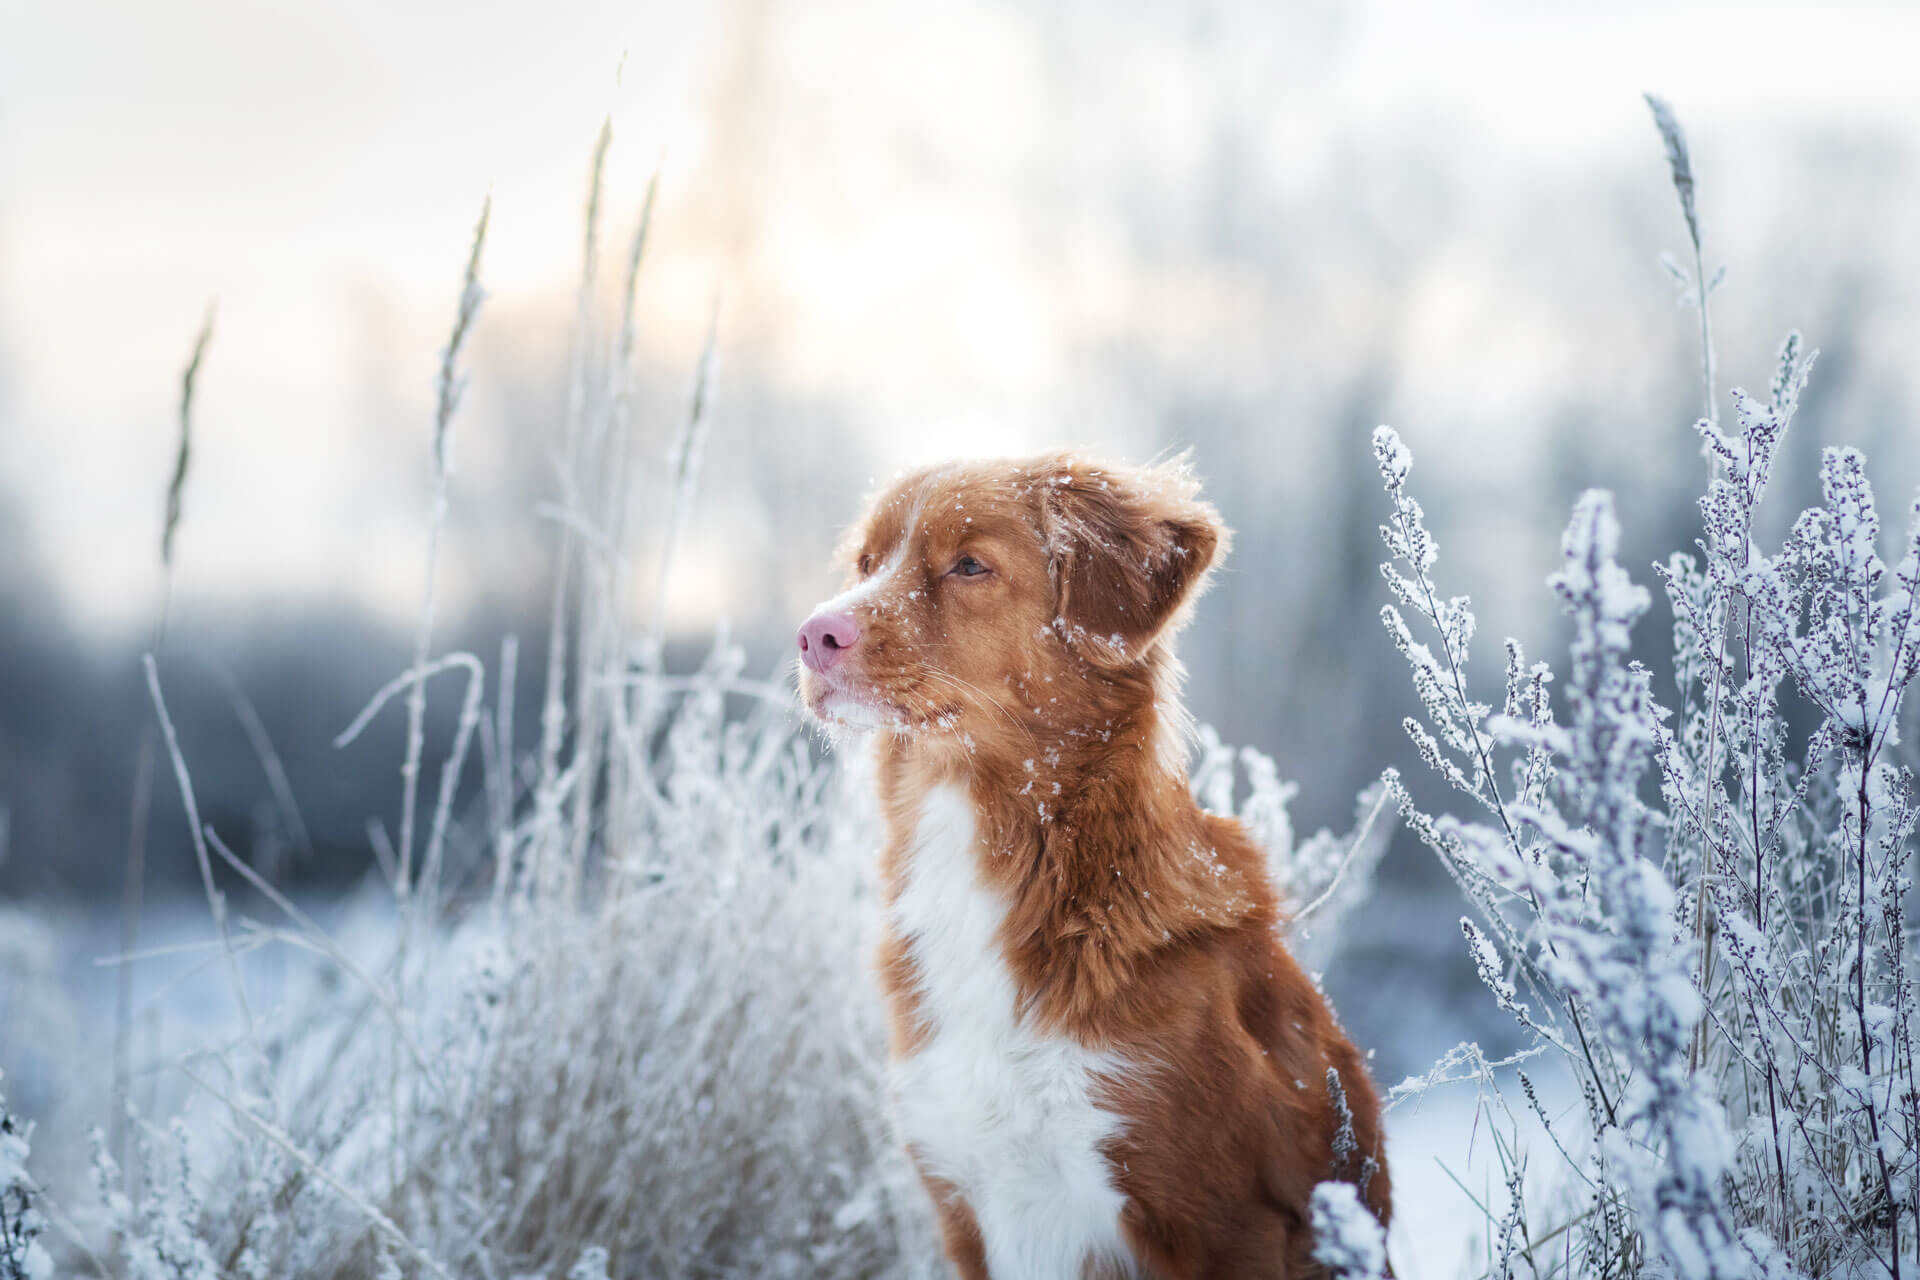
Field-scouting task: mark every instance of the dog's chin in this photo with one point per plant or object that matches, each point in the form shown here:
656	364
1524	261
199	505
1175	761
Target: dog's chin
844	711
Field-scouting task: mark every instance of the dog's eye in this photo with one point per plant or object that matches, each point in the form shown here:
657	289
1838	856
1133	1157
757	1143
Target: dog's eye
967	567
866	564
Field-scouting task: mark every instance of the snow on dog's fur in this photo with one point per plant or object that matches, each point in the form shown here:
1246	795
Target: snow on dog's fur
1104	1063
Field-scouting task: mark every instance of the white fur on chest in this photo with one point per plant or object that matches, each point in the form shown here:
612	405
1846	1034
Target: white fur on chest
1005	1115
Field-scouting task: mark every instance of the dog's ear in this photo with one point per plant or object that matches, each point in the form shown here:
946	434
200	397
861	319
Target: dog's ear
1130	550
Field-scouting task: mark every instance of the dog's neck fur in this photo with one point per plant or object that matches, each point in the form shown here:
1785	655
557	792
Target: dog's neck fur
1090	834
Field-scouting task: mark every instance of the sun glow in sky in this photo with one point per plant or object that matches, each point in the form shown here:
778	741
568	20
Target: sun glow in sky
908	209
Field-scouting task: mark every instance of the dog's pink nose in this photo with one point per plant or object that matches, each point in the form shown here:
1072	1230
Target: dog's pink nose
826	638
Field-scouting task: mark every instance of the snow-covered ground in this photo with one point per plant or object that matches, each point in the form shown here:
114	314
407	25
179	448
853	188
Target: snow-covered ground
1435	1144
56	1047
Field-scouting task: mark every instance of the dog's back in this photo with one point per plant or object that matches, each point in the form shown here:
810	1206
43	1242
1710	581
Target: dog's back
1104	1061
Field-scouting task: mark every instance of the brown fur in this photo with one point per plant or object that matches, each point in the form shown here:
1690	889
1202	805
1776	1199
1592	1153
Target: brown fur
1137	922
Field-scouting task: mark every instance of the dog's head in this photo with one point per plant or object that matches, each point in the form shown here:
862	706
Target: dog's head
987	598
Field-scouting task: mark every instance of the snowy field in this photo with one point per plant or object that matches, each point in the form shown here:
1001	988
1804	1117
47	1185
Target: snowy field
55	958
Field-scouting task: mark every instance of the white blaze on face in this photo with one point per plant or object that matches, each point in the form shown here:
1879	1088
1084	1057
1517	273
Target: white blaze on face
870	590
1003	1113
875	587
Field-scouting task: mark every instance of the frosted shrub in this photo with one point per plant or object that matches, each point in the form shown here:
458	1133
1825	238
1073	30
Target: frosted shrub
1348	1240
1319	878
663	1061
159	1237
1726	974
22	1256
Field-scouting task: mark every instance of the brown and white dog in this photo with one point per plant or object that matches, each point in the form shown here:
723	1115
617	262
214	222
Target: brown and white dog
1104	1063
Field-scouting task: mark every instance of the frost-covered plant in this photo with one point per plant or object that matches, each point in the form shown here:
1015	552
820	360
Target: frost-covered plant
22	1256
616	1018
160	1238
1320	878
1727	975
1347	1238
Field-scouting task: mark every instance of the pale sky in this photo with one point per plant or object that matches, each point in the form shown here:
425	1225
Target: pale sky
318	169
